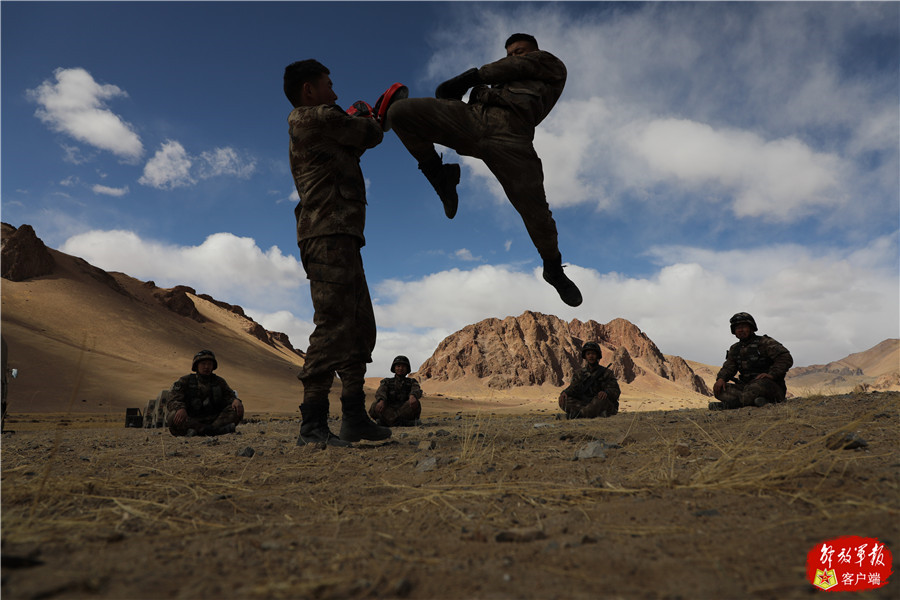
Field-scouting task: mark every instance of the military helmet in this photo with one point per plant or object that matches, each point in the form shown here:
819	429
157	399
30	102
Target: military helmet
742	317
204	355
401	360
591	346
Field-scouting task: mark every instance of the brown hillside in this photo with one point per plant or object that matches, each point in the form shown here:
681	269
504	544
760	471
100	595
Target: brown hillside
877	368
89	341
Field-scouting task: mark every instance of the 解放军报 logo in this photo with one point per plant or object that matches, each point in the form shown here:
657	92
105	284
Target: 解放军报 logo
849	564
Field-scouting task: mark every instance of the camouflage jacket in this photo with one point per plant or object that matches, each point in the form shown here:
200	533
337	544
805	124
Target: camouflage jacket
755	355
587	382
201	395
397	390
326	144
528	85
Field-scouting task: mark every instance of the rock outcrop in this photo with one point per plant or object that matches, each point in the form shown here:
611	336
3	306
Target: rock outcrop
24	256
537	349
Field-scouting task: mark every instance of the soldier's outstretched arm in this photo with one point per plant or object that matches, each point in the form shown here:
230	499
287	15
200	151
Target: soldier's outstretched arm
361	133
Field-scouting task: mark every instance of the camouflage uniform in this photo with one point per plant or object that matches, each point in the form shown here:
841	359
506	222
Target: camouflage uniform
496	126
325	148
208	401
581	395
395	392
751	357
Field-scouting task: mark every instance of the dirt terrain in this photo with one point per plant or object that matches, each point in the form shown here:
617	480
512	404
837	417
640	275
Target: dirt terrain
660	504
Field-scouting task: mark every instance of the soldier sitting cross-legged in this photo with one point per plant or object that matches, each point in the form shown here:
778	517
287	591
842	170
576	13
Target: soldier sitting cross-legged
201	403
594	391
397	398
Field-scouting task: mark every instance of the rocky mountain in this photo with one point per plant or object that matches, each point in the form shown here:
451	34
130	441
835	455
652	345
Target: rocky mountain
534	349
84	339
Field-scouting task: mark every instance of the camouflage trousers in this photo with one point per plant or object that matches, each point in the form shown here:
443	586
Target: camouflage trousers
738	395
396	415
344	336
589	408
203	425
489	133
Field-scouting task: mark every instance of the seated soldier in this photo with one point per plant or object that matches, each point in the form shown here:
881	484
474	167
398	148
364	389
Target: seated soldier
202	403
762	363
397	398
594	391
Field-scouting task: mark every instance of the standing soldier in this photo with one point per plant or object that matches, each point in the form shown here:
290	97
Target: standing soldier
325	147
496	126
397	398
201	403
594	391
762	363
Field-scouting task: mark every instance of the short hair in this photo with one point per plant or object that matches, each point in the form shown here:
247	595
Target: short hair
298	73
521	37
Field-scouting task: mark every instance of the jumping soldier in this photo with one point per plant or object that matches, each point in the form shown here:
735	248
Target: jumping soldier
594	391
325	147
496	126
397	398
201	403
762	363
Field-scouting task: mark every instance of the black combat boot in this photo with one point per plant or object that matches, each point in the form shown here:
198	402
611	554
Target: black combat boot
314	428
443	178
356	424
568	291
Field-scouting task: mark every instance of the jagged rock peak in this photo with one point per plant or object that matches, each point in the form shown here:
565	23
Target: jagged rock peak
534	349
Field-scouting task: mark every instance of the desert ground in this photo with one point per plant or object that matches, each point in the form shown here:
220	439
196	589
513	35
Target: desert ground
480	501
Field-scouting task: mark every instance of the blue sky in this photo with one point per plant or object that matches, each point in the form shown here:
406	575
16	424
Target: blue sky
704	159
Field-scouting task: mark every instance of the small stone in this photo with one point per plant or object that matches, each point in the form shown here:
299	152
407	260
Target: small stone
846	441
593	449
247	452
427	464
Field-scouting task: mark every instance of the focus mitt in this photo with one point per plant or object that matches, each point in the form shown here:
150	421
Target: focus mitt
398	91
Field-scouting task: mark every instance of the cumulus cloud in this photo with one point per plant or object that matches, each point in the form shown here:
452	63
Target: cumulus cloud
230	268
776	180
466	255
224	161
109	191
75	104
169	168
172	166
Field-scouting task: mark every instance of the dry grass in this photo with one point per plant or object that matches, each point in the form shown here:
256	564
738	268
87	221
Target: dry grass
83	488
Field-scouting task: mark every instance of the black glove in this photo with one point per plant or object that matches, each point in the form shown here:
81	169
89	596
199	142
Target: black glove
453	89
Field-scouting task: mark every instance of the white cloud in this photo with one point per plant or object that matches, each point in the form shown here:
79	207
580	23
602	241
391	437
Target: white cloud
172	166
169	168
75	104
466	255
110	191
229	268
224	161
775	180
